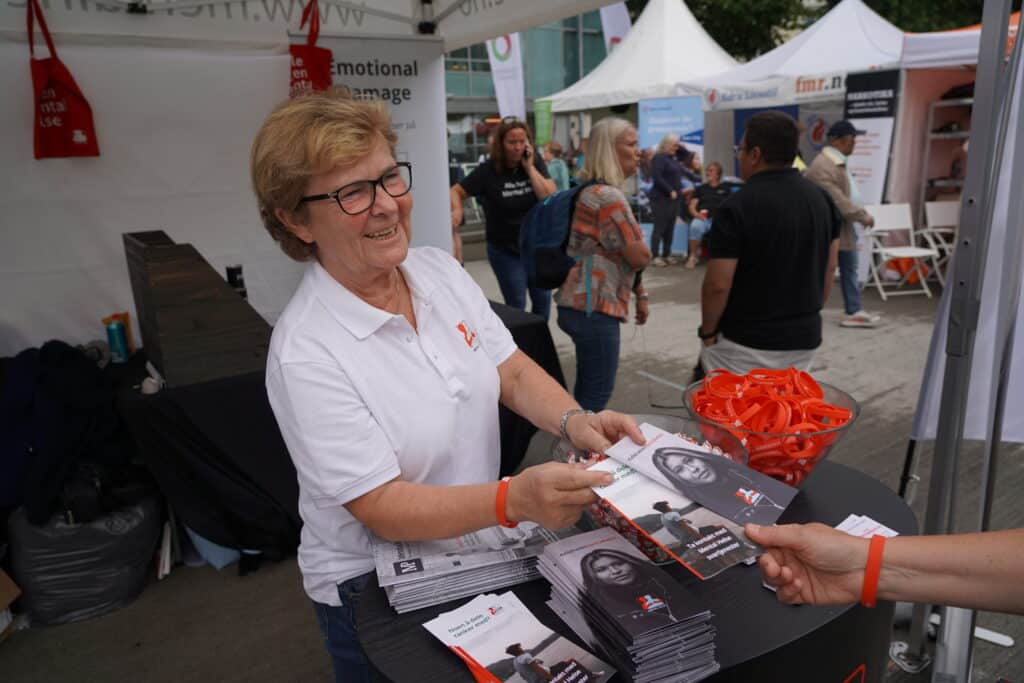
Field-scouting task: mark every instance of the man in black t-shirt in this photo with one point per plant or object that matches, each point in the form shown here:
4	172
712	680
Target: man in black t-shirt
773	248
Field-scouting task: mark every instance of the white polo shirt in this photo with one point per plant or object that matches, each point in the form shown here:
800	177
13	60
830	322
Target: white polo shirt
361	398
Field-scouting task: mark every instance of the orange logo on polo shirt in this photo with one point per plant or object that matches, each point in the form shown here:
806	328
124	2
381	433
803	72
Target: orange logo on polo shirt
468	334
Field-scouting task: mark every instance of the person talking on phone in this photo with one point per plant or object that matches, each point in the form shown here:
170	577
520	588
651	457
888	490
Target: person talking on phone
509	184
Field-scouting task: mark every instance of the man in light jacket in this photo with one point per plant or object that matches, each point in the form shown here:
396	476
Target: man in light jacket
829	170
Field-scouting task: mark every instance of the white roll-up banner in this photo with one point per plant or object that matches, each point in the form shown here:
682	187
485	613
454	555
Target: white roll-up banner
507	72
408	74
615	24
871	106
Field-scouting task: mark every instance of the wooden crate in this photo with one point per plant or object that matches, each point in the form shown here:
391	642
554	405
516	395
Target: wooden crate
195	327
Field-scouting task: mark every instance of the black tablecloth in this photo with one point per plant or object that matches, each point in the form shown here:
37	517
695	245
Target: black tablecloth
218	455
758	638
533	337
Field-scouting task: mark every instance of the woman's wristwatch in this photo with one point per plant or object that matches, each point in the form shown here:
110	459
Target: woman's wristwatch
706	335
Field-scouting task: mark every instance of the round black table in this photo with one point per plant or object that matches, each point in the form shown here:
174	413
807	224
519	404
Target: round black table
759	639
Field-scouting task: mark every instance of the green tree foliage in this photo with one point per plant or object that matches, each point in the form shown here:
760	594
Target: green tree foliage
744	28
748	28
918	16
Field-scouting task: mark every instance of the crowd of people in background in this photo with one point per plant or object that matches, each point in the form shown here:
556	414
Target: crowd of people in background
779	221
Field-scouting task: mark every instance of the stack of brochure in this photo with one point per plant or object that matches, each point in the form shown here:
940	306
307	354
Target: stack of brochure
628	609
419	574
500	640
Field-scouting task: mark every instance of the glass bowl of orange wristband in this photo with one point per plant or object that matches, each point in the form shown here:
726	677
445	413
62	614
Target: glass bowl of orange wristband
787	420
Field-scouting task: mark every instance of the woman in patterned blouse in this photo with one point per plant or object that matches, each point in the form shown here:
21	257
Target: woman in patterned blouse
610	252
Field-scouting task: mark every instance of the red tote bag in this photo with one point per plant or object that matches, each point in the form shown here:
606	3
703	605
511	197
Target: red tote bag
311	65
63	117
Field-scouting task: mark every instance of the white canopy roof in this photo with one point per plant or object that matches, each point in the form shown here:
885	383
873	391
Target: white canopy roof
851	37
230	24
664	51
946	48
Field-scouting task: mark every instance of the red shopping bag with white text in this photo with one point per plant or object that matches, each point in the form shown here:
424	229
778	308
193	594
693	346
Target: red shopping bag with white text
63	117
311	65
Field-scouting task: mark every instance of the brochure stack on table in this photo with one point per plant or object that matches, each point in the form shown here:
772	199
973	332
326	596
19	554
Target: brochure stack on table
419	574
628	609
500	640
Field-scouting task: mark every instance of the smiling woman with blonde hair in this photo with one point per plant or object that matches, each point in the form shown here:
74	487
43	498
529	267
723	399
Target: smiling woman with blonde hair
386	368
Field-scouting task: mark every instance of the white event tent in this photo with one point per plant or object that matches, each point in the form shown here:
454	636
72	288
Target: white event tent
850	37
664	51
178	92
810	67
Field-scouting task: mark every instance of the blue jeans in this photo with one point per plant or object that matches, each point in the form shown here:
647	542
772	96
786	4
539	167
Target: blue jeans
698	228
848	280
338	626
597	354
665	213
511	274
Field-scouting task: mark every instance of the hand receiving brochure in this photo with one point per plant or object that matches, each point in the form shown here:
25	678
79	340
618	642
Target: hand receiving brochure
733	490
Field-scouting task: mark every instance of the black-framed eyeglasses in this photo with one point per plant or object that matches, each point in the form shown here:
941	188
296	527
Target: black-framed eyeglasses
736	149
358	197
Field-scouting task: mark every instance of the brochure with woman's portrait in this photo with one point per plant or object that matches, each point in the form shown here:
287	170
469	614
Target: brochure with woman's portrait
637	596
735	491
499	639
698	538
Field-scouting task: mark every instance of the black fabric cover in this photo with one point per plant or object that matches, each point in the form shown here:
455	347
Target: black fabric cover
532	336
71	572
218	457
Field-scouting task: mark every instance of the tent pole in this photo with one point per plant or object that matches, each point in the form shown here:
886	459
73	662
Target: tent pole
967	277
953	648
1009	299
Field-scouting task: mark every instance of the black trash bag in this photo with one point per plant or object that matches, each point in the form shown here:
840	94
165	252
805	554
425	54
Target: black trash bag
72	572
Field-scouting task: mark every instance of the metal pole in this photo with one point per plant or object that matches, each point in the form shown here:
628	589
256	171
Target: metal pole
967	276
908	467
1009	294
953	649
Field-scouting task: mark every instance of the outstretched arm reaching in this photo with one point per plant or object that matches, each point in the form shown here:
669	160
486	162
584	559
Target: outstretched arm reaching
815	564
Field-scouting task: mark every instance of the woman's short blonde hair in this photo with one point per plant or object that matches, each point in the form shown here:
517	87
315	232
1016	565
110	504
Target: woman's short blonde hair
601	161
310	134
667	142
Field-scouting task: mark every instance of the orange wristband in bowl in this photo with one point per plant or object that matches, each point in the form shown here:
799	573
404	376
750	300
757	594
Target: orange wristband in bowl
499	504
872	570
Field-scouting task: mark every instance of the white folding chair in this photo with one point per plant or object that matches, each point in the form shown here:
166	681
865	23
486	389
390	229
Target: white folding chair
892	237
942	219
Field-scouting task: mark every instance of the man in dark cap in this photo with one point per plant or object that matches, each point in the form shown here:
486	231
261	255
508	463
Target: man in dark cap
830	171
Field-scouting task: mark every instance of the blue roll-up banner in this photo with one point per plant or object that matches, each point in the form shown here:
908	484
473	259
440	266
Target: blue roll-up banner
683	116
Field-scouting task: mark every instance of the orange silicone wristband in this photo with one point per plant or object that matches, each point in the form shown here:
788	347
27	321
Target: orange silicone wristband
872	570
499	504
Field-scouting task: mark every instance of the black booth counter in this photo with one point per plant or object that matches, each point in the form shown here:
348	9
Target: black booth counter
218	456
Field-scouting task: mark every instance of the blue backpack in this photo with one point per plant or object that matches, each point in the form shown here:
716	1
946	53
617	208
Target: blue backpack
543	238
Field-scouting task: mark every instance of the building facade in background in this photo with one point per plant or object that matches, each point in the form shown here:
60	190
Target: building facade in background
555	56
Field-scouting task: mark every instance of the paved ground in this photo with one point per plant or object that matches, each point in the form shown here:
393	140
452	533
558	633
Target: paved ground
201	625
